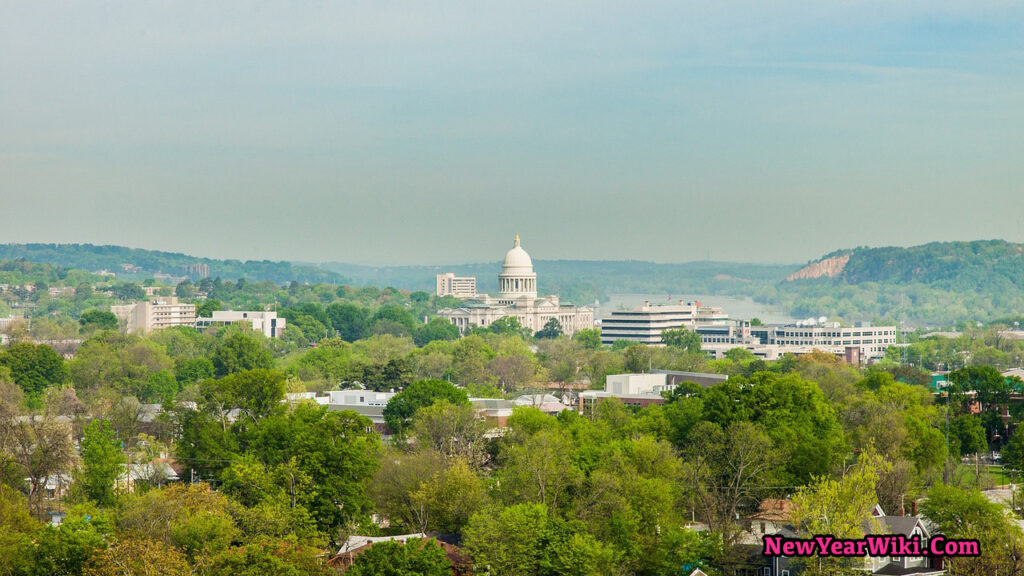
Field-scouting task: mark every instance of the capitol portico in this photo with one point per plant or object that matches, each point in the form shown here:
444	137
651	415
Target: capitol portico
517	297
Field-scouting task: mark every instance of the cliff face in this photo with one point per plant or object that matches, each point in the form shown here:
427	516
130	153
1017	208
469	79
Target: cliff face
827	268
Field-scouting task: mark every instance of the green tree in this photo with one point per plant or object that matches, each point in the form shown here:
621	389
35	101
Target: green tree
93	320
280	558
683	339
185	289
436	329
402	406
138	557
508	325
989	384
525	540
552	329
239	352
207	307
1013	452
967	434
837	507
337	451
590	338
351	322
191	370
256	393
129	291
34	367
415	557
102	463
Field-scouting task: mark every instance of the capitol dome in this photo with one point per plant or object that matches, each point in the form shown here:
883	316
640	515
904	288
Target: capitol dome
517	279
517	260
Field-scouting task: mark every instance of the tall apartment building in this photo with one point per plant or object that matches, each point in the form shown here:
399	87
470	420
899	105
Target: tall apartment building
645	323
459	286
155	314
261	321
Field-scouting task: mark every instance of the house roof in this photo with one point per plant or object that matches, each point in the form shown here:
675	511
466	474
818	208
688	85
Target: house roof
357	542
892	525
773	509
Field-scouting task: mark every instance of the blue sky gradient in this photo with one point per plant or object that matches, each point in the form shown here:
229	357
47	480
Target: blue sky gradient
409	132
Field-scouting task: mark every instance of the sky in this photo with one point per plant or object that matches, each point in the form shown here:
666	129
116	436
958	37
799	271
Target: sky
395	132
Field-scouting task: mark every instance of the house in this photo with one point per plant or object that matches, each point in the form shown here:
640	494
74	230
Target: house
356	545
772	516
876	522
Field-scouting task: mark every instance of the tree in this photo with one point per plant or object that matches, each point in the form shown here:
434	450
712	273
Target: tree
402	406
35	445
452	430
508	325
683	339
351	322
727	471
991	387
191	370
453	496
255	393
93	320
264	557
398	487
552	329
192	518
337	451
102	463
436	329
1013	453
129	291
135	557
538	471
590	338
525	540
185	289
239	352
837	508
967	433
415	557
514	371
206	308
966	513
34	367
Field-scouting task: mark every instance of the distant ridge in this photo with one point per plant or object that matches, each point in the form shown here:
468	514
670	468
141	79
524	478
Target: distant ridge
935	284
146	263
948	264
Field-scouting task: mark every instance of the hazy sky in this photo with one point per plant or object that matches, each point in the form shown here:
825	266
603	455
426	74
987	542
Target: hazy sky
426	132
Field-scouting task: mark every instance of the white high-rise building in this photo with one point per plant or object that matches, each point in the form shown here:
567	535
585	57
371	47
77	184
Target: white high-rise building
517	297
459	286
155	314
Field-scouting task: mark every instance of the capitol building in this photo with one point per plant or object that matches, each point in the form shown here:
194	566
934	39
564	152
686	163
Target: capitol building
517	297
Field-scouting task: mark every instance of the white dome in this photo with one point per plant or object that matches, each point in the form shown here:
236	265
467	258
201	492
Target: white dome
517	260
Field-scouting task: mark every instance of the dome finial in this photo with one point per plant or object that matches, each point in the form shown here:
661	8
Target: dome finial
517	241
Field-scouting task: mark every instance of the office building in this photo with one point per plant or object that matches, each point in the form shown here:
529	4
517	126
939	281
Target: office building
155	313
645	324
459	286
260	321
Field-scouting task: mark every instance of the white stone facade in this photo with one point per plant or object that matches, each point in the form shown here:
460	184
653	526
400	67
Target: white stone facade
517	298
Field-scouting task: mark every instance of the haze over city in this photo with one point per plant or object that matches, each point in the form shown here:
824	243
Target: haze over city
406	133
